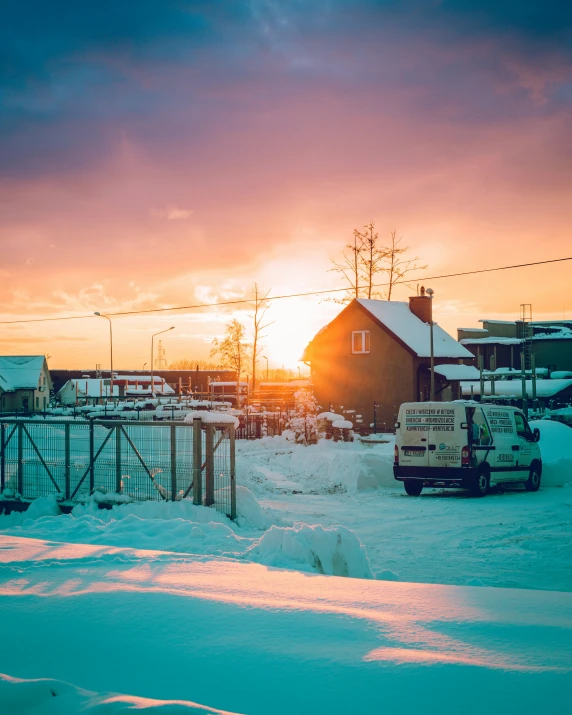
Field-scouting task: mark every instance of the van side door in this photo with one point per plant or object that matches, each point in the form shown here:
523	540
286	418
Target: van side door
525	440
481	438
505	442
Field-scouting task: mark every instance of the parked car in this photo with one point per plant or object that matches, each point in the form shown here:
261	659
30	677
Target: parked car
465	445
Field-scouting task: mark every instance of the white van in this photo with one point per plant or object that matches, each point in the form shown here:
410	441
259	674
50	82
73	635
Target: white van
465	444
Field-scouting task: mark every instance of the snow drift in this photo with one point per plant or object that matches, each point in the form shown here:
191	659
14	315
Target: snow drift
556	450
333	551
54	697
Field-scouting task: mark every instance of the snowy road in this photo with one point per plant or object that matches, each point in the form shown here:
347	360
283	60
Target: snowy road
515	540
249	639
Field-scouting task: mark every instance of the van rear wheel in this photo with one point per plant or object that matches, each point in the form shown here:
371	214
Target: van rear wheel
413	487
480	483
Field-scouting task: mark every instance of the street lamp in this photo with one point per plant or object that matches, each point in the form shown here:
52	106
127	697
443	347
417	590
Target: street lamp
99	315
152	353
430	293
264	356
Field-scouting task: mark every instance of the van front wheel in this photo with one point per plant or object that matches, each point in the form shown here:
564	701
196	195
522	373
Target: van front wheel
480	483
413	487
532	484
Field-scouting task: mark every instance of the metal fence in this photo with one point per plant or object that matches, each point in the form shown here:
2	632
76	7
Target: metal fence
258	426
147	461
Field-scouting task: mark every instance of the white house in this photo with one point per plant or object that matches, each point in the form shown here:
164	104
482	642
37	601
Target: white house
25	383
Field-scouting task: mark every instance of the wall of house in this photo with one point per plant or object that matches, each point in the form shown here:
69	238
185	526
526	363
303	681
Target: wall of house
387	374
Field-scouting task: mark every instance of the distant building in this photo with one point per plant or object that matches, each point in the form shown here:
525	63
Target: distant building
25	383
378	350
500	343
188	380
94	389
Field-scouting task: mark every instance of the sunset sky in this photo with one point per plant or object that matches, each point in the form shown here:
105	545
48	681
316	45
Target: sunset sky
175	152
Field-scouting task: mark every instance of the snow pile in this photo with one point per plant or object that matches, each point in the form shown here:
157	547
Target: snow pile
334	551
342	424
41	507
273	465
329	416
213	418
556	450
54	697
249	513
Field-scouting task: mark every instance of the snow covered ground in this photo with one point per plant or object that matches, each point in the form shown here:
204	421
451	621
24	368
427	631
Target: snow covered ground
248	639
171	601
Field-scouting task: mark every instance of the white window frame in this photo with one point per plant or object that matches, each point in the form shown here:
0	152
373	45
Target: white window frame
365	342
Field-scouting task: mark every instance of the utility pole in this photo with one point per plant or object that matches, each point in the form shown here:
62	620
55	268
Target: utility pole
110	352
152	387
430	293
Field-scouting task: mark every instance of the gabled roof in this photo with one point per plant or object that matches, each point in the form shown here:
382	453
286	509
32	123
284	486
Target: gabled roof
414	333
20	372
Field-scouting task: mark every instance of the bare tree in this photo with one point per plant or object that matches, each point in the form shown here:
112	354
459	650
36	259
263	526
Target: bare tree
260	305
371	257
186	364
233	349
349	267
397	265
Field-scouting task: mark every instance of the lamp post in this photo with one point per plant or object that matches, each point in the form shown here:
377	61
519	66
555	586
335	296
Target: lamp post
99	315
264	356
152	353
430	293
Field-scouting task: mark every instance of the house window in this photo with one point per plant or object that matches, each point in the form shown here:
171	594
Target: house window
360	342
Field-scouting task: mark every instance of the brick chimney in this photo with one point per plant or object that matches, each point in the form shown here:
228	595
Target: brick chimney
420	305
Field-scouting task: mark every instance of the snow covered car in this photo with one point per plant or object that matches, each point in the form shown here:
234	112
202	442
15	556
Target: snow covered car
465	445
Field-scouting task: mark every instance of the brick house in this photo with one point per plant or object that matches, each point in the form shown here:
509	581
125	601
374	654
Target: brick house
378	350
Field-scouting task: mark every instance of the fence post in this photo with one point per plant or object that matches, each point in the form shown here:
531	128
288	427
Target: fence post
232	475
2	456
67	458
197	461
91	457
209	482
173	462
20	458
118	459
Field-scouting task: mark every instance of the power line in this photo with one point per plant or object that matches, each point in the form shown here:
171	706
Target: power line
290	295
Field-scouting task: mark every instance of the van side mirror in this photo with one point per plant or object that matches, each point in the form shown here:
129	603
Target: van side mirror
464	425
536	434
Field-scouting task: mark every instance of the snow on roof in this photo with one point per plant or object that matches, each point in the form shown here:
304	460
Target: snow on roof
559	334
139	378
497	322
474	330
490	341
213	418
20	372
513	388
412	331
457	372
561	374
218	383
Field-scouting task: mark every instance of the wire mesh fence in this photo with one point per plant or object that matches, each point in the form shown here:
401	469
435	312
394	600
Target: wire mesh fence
122	461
